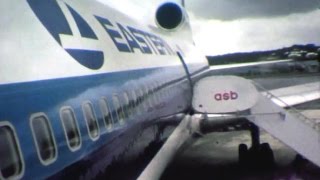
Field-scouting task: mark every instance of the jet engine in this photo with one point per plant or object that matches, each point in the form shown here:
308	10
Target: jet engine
170	16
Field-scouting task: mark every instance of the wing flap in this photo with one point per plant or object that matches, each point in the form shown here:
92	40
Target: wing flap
267	110
294	95
299	133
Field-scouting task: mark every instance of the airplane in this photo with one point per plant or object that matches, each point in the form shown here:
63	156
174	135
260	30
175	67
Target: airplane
81	81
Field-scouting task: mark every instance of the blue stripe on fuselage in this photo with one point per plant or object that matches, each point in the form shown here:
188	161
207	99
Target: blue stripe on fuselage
18	101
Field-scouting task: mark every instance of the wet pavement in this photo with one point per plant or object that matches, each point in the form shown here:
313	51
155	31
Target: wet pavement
216	157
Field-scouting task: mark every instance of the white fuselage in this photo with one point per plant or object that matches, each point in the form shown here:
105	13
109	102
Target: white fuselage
78	83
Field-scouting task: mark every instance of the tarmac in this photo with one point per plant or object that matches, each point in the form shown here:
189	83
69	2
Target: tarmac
215	156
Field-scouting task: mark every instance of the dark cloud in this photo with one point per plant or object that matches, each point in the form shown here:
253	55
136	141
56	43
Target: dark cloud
239	9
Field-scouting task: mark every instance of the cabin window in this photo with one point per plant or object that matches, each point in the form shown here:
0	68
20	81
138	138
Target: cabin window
71	128
118	108
11	163
44	139
106	113
92	123
138	99
126	107
142	100
155	95
159	92
147	96
151	96
132	102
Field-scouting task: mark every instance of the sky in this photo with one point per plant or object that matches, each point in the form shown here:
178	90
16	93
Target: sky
228	26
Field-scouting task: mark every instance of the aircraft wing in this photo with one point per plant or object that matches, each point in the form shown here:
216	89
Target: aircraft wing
294	95
250	64
289	125
272	111
275	114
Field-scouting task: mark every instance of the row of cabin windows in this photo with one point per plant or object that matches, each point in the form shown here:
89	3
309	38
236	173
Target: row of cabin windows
11	160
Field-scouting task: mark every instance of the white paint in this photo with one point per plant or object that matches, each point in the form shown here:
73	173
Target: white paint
238	65
293	95
224	94
288	128
28	51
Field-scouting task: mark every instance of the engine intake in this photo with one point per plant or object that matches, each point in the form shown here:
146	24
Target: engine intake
169	16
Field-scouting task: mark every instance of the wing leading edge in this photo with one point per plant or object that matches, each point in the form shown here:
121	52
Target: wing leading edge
294	95
272	112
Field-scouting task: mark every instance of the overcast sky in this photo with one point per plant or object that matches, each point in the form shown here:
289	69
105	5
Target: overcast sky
227	26
240	9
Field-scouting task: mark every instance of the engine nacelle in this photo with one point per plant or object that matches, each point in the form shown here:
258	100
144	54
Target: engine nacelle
170	16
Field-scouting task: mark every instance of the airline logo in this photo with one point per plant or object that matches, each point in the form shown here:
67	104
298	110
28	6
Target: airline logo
57	16
227	96
53	18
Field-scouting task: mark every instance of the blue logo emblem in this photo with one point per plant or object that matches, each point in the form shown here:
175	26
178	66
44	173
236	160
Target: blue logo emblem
52	16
